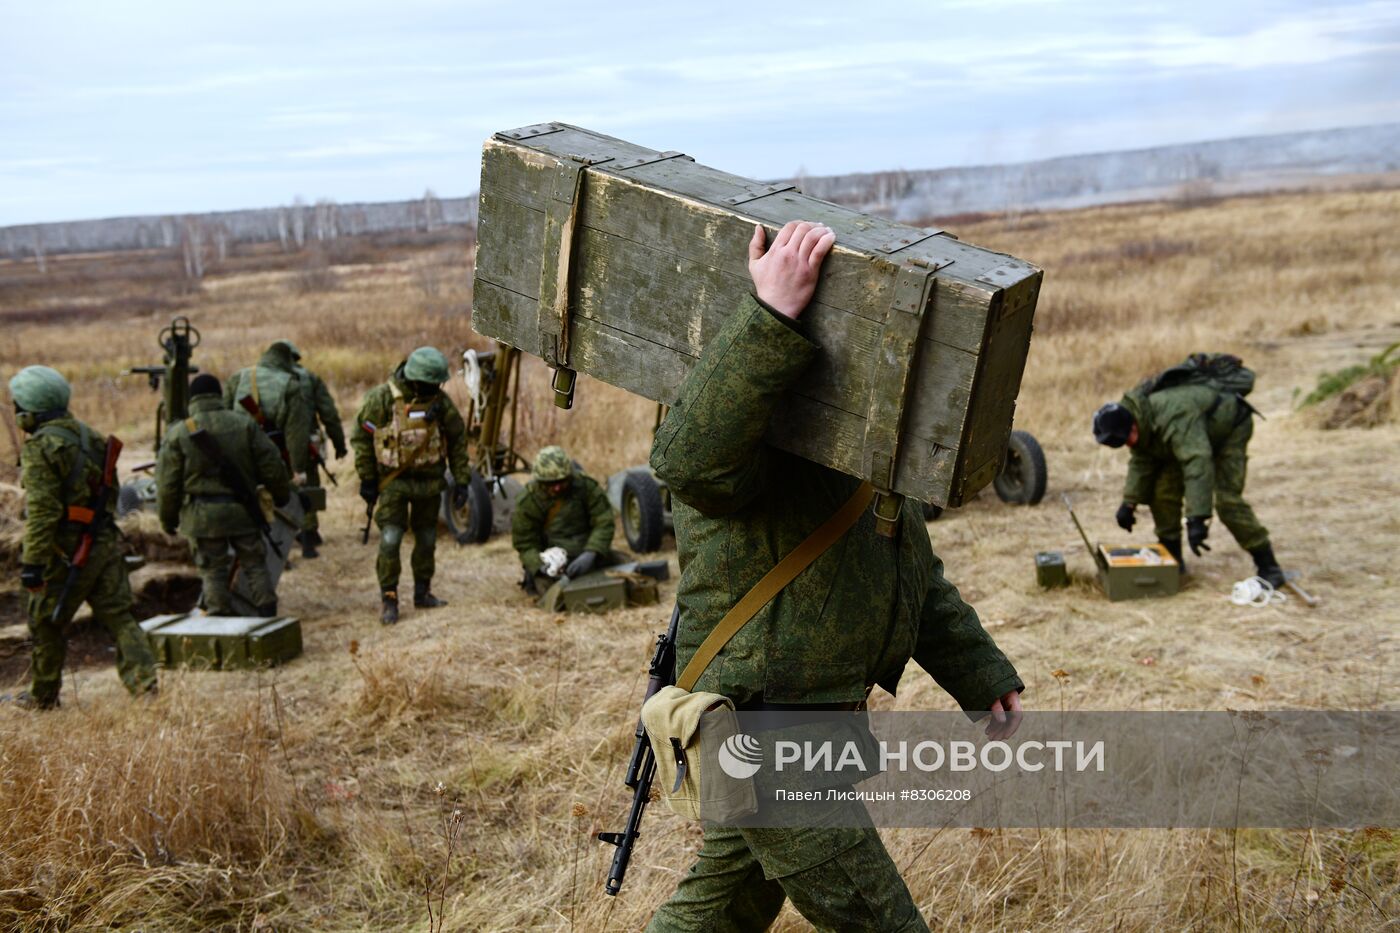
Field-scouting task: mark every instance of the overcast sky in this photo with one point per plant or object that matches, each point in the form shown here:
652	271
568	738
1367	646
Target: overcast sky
156	106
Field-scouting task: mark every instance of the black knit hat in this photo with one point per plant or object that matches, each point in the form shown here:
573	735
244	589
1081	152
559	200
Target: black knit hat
205	384
1112	425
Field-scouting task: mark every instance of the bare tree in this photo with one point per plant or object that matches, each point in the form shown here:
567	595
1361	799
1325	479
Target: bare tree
192	239
326	220
299	222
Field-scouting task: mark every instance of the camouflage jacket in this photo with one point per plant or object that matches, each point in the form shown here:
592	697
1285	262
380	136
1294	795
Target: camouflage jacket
579	520
1186	425
47	461
853	618
184	474
321	404
423	479
280	396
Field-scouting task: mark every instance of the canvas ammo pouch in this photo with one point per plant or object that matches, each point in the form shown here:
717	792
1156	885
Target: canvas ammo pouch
677	720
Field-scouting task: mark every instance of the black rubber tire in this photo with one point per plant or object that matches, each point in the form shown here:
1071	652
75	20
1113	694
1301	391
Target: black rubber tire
128	499
471	525
1022	479
643	520
932	513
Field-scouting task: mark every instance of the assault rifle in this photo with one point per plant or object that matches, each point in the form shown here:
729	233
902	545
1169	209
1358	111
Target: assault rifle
318	462
93	518
233	478
271	430
641	770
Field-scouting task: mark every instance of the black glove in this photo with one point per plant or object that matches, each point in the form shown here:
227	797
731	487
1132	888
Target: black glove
369	491
459	496
528	584
581	564
1196	532
1126	518
340	451
31	576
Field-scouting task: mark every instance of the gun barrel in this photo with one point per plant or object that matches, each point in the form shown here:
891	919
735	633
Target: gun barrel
625	840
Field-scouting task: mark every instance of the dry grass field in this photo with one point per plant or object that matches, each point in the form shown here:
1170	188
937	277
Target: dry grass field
447	774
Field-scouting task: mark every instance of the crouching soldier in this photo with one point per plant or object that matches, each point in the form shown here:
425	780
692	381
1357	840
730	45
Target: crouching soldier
407	433
561	508
207	475
70	500
1189	434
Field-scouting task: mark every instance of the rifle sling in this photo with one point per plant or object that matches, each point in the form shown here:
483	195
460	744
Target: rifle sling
799	559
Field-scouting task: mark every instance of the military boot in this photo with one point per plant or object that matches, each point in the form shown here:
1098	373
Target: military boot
389	611
1174	549
309	540
1266	566
26	700
422	598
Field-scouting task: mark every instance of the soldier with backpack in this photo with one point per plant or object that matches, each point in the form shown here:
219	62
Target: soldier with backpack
1188	430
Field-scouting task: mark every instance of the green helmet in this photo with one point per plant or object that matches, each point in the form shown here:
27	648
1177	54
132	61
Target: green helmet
426	364
291	348
39	389
552	465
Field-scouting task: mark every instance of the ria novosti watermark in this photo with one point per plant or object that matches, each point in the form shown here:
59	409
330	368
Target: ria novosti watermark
1103	769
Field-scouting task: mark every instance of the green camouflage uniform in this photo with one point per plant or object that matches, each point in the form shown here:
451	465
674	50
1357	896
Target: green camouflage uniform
321	404
47	461
281	399
854	618
412	500
579	519
1193	445
191	494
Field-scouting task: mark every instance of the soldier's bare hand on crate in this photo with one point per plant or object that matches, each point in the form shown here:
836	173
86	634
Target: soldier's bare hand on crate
785	275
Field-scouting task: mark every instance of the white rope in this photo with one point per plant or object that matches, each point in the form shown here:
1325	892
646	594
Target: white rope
1256	591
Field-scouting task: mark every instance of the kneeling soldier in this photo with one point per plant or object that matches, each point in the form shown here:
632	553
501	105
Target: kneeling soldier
70	500
1188	442
561	507
206	483
406	434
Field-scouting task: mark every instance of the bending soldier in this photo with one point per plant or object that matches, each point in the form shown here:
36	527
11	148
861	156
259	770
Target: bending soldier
272	394
207	476
851	620
62	467
406	434
1188	442
561	507
325	425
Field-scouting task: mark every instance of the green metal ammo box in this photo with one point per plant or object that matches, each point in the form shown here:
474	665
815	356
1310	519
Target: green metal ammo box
222	642
1132	572
1050	569
622	262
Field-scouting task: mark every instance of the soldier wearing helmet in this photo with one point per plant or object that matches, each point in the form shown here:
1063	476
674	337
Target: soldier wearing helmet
561	508
61	464
407	434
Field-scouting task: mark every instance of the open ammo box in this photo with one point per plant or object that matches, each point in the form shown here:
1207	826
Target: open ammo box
222	642
1132	572
622	262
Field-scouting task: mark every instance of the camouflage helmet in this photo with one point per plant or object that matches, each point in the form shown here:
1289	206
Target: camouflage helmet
426	364
40	389
552	465
291	348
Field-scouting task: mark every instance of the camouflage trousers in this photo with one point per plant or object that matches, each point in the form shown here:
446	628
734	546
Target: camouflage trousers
838	879
399	513
1231	462
103	585
214	558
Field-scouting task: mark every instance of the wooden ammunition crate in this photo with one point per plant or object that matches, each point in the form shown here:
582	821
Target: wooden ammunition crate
621	262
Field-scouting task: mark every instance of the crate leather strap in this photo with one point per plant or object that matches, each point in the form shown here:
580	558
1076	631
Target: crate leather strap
773	582
556	267
890	383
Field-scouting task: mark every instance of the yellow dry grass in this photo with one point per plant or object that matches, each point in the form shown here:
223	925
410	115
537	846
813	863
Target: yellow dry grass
460	761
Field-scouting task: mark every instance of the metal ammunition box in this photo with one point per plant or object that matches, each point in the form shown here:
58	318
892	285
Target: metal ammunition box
313	498
595	592
222	642
1138	572
622	262
1050	569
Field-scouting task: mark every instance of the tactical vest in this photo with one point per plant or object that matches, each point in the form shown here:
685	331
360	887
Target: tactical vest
414	437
